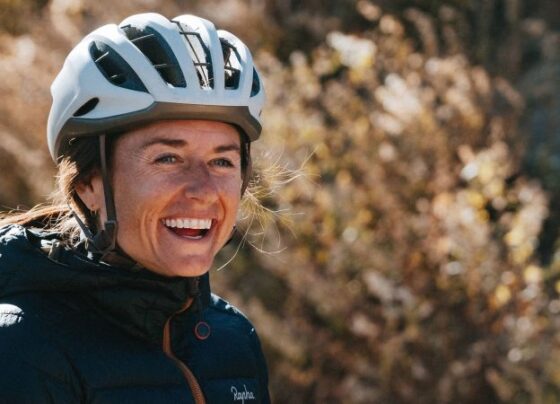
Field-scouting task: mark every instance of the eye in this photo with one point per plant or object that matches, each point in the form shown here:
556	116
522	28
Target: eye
222	162
166	159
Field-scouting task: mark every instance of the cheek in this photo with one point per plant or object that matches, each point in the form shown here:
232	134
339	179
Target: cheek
234	207
232	194
131	196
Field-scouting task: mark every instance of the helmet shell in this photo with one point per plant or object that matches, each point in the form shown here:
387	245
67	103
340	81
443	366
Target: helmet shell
150	68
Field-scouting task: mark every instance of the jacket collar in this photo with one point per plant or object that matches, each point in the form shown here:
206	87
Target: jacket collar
138	302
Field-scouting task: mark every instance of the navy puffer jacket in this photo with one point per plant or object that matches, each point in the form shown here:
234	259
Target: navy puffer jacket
74	331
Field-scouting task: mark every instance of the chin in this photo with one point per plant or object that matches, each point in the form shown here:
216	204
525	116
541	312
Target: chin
192	269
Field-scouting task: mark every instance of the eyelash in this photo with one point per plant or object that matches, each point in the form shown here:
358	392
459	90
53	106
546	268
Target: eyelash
165	159
222	162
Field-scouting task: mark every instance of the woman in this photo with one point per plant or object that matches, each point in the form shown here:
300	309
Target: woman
104	296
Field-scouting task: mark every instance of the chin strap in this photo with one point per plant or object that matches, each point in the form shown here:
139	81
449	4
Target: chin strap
246	155
249	168
104	242
106	239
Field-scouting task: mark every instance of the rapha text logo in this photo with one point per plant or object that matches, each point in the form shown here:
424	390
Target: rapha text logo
242	395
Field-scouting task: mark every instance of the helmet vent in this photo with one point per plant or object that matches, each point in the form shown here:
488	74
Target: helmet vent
114	67
87	107
152	44
256	87
200	55
232	65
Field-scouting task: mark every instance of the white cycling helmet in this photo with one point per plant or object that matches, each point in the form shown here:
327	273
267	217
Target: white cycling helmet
151	68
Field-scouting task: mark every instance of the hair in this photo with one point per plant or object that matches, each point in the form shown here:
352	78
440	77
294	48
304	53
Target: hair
79	165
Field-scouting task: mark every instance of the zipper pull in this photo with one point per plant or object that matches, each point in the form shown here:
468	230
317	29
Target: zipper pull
202	329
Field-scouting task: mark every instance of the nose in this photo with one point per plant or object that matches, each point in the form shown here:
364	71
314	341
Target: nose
198	183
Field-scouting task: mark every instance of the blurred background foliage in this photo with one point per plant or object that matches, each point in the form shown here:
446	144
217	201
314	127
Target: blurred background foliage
414	257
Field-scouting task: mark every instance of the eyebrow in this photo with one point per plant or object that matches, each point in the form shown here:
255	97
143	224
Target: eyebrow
228	147
178	143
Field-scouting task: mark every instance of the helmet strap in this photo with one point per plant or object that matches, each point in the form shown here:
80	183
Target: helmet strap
246	155
106	239
102	243
249	165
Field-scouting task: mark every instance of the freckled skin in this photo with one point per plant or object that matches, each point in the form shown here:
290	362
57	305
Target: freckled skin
173	169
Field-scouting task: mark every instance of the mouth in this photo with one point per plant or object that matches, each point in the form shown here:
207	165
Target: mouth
192	229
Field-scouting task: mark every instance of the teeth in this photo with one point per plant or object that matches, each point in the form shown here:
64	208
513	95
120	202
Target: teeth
189	223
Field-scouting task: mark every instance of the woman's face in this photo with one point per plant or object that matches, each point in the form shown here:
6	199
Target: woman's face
177	186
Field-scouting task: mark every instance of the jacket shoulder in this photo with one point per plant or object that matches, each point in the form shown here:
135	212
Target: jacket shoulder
222	306
34	368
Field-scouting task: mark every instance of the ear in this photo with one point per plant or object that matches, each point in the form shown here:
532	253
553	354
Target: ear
91	193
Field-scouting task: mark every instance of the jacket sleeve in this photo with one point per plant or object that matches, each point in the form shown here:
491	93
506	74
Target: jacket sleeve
262	368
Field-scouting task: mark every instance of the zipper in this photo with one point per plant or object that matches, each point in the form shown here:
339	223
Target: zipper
191	379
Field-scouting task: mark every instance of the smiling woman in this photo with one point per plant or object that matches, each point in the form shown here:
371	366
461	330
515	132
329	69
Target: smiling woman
186	208
108	287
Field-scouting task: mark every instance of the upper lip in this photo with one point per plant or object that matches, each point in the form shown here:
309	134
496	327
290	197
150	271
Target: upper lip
188	222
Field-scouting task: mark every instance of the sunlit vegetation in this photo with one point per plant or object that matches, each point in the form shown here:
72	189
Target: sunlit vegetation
408	169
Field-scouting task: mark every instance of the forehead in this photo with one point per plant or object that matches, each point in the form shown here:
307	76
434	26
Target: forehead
191	132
